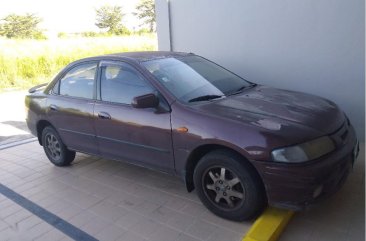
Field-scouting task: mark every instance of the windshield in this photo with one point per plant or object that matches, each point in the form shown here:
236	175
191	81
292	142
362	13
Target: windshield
193	78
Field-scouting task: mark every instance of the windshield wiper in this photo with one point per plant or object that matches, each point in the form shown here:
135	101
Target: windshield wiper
237	91
205	97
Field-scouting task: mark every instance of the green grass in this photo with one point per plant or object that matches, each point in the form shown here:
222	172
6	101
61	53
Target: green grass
25	63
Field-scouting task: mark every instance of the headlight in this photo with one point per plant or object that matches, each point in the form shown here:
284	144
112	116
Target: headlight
304	152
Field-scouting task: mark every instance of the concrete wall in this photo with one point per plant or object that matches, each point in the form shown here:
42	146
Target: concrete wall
314	46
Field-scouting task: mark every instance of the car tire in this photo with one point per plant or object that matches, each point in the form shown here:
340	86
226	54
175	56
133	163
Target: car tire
55	149
229	186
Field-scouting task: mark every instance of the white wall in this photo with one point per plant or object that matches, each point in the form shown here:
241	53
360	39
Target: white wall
314	46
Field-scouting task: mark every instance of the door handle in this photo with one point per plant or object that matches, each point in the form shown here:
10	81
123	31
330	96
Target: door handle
53	108
104	115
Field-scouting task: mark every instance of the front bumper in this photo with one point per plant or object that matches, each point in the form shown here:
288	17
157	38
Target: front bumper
295	186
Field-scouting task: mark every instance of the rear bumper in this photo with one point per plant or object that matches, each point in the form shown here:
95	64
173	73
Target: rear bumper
31	127
31	116
297	186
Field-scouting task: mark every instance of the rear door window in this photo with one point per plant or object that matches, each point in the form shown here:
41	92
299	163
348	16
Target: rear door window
79	81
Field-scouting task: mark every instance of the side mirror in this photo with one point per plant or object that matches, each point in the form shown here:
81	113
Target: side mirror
145	101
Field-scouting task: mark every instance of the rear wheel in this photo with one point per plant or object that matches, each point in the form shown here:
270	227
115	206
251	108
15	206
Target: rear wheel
228	186
55	149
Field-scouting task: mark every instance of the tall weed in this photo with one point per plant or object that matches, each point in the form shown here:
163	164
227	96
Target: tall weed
25	63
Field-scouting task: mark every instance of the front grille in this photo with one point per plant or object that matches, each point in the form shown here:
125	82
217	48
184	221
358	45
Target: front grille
338	176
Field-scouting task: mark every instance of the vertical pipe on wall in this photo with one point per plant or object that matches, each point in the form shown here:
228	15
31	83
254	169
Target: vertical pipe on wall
170	27
163	26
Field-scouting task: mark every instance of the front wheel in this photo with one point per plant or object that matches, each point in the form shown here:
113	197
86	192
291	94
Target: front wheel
55	149
228	186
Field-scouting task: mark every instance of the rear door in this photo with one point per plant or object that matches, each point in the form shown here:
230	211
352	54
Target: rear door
142	136
71	107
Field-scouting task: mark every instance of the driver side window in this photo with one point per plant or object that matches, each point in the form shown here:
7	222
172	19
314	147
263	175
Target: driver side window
120	83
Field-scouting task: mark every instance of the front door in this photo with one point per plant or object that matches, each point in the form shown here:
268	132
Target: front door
142	136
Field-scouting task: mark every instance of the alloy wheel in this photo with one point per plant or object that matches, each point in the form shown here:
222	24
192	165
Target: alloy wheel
53	146
223	188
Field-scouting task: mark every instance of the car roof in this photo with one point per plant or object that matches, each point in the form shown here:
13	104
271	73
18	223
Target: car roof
138	56
149	55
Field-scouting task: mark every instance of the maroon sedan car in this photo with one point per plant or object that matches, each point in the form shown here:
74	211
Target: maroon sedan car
240	145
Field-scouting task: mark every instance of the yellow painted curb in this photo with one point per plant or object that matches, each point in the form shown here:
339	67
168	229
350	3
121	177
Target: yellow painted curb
269	225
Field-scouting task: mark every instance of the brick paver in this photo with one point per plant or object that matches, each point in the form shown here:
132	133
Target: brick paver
107	199
113	200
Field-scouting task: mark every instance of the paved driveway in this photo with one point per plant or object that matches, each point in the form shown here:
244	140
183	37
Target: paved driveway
108	200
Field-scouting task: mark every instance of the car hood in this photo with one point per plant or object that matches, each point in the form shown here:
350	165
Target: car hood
273	109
